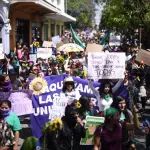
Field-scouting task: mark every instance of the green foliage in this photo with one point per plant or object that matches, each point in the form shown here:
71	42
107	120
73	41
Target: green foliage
29	144
126	14
82	11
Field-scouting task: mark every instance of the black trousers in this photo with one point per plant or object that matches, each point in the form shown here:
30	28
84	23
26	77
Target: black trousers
143	101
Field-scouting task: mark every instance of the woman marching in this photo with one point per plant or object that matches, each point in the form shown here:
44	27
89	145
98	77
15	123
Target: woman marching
129	121
104	95
69	93
109	135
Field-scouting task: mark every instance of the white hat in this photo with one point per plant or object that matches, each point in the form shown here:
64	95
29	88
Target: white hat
69	79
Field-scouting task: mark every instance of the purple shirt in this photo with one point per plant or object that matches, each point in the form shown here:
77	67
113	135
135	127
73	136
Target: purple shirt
110	140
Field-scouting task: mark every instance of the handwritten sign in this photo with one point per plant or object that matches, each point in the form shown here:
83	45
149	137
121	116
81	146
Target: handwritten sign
91	124
21	104
44	53
106	65
47	44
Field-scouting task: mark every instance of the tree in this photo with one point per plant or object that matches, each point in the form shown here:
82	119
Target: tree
126	14
82	11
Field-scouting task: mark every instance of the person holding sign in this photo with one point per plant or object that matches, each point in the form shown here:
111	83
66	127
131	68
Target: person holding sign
104	94
69	92
109	135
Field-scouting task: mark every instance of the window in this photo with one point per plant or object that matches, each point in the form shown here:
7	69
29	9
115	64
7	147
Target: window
52	28
62	30
46	32
36	31
58	2
22	31
58	29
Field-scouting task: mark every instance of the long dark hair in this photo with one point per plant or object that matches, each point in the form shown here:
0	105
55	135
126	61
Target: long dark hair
102	87
65	86
84	101
115	104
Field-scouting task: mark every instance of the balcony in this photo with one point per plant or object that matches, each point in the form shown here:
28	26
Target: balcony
33	6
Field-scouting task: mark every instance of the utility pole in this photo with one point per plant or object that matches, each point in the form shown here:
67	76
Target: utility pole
140	37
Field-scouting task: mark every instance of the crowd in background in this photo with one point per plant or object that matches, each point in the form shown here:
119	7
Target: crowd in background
17	68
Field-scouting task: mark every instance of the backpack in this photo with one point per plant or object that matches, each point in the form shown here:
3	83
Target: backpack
6	134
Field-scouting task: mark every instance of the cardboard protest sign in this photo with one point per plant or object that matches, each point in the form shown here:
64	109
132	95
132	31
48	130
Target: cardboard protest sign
106	65
47	44
94	48
59	44
44	53
91	124
144	56
21	103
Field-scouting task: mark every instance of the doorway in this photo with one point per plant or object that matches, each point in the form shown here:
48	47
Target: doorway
22	31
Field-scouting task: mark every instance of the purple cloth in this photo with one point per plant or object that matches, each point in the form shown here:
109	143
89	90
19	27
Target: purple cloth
48	98
110	140
87	31
7	86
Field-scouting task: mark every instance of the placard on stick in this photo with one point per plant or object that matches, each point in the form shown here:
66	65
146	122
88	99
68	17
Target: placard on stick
144	56
106	65
47	44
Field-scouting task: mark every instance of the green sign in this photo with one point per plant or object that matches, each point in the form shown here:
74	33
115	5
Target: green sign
91	124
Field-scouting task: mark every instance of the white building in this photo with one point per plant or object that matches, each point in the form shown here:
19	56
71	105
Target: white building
40	19
4	27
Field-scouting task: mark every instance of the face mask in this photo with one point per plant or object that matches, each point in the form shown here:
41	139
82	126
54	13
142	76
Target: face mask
5	113
72	121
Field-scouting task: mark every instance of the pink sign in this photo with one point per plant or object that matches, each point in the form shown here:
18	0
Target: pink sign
21	103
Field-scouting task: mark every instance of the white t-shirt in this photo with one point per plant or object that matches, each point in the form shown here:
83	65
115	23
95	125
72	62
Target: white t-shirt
70	96
105	104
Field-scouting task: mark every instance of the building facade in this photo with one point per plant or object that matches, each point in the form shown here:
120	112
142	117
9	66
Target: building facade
4	26
36	19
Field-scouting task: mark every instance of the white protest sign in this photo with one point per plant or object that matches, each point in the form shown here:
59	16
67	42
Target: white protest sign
106	65
47	44
21	104
55	40
115	40
33	57
44	53
1	51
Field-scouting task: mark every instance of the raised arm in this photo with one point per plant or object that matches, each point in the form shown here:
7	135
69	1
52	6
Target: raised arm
95	92
117	86
135	125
